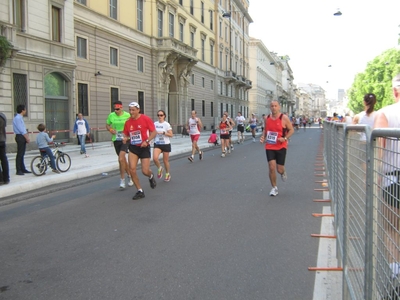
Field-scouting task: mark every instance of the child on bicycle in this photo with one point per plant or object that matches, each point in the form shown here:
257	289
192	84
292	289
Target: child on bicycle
42	141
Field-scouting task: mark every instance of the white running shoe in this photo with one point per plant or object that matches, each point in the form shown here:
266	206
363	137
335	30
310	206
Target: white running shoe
223	154
229	150
274	192
284	176
254	140
232	148
130	183
122	184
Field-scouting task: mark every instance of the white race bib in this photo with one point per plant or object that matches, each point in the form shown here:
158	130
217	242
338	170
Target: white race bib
136	137
118	136
272	137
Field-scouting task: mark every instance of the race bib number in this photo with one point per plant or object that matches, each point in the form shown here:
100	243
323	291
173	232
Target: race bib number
136	137
223	131
160	140
272	137
118	136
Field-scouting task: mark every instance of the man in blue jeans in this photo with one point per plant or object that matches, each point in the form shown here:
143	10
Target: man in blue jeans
21	138
81	128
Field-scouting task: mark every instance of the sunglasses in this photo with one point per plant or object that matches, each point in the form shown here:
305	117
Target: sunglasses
116	108
160	115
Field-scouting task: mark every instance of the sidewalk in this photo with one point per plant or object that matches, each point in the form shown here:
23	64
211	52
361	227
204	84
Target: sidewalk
102	158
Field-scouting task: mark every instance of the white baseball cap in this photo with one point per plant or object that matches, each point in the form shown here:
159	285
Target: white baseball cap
134	104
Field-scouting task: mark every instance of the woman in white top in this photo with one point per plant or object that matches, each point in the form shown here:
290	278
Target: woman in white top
367	116
162	144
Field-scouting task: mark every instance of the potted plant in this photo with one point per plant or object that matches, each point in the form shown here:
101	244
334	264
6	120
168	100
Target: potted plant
5	50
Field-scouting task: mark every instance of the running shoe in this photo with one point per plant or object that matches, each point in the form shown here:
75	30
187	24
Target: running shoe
56	171
284	176
153	182
201	155
122	183
274	192
160	172
130	183
138	195
223	154
167	177
229	150
254	140
232	148
190	159
86	155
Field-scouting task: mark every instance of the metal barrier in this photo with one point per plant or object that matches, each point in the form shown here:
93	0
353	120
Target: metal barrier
363	169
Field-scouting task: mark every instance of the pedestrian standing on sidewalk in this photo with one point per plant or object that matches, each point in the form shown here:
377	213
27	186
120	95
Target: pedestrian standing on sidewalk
82	130
139	130
5	170
22	138
277	131
162	144
240	127
115	125
193	126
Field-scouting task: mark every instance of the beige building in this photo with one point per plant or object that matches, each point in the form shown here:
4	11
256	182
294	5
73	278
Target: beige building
40	74
76	56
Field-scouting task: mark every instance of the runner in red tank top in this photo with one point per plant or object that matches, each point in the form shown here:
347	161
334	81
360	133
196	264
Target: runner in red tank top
276	133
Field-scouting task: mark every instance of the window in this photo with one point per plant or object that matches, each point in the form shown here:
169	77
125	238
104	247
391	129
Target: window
113	56
181	32
212	109
212	85
226	106
140	62
203	108
226	61
192	39
191	7
140	15
114	93
81	47
220	60
192	104
226	32
202	12
211	20
232	110
192	79
55	24
221	87
141	101
203	83
226	90
181	2
171	25
212	54
222	109
82	2
113	9
231	90
20	89
202	50
160	22
220	28
83	100
18	14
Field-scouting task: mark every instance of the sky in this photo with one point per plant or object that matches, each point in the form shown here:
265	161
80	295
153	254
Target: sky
313	38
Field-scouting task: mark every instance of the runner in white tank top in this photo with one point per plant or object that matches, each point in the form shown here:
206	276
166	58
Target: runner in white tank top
193	126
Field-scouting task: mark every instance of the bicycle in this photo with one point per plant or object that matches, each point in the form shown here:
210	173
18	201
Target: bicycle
39	164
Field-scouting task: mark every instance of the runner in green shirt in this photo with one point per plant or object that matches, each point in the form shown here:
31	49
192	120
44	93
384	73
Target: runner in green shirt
115	125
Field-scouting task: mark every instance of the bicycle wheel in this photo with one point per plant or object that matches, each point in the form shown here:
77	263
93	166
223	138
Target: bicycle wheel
63	162
38	165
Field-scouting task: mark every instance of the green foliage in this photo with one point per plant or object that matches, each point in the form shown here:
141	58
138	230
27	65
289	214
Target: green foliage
377	79
5	50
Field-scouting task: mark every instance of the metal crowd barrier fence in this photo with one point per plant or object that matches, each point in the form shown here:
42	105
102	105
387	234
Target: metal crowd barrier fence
363	169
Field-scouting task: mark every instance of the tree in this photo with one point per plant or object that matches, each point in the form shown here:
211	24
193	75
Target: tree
377	79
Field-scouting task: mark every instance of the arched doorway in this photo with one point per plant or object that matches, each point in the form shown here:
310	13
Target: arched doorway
56	105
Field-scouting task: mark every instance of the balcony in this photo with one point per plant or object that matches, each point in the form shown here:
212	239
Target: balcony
241	81
173	46
230	77
249	84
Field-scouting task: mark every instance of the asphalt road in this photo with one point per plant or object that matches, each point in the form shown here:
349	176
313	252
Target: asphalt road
211	233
